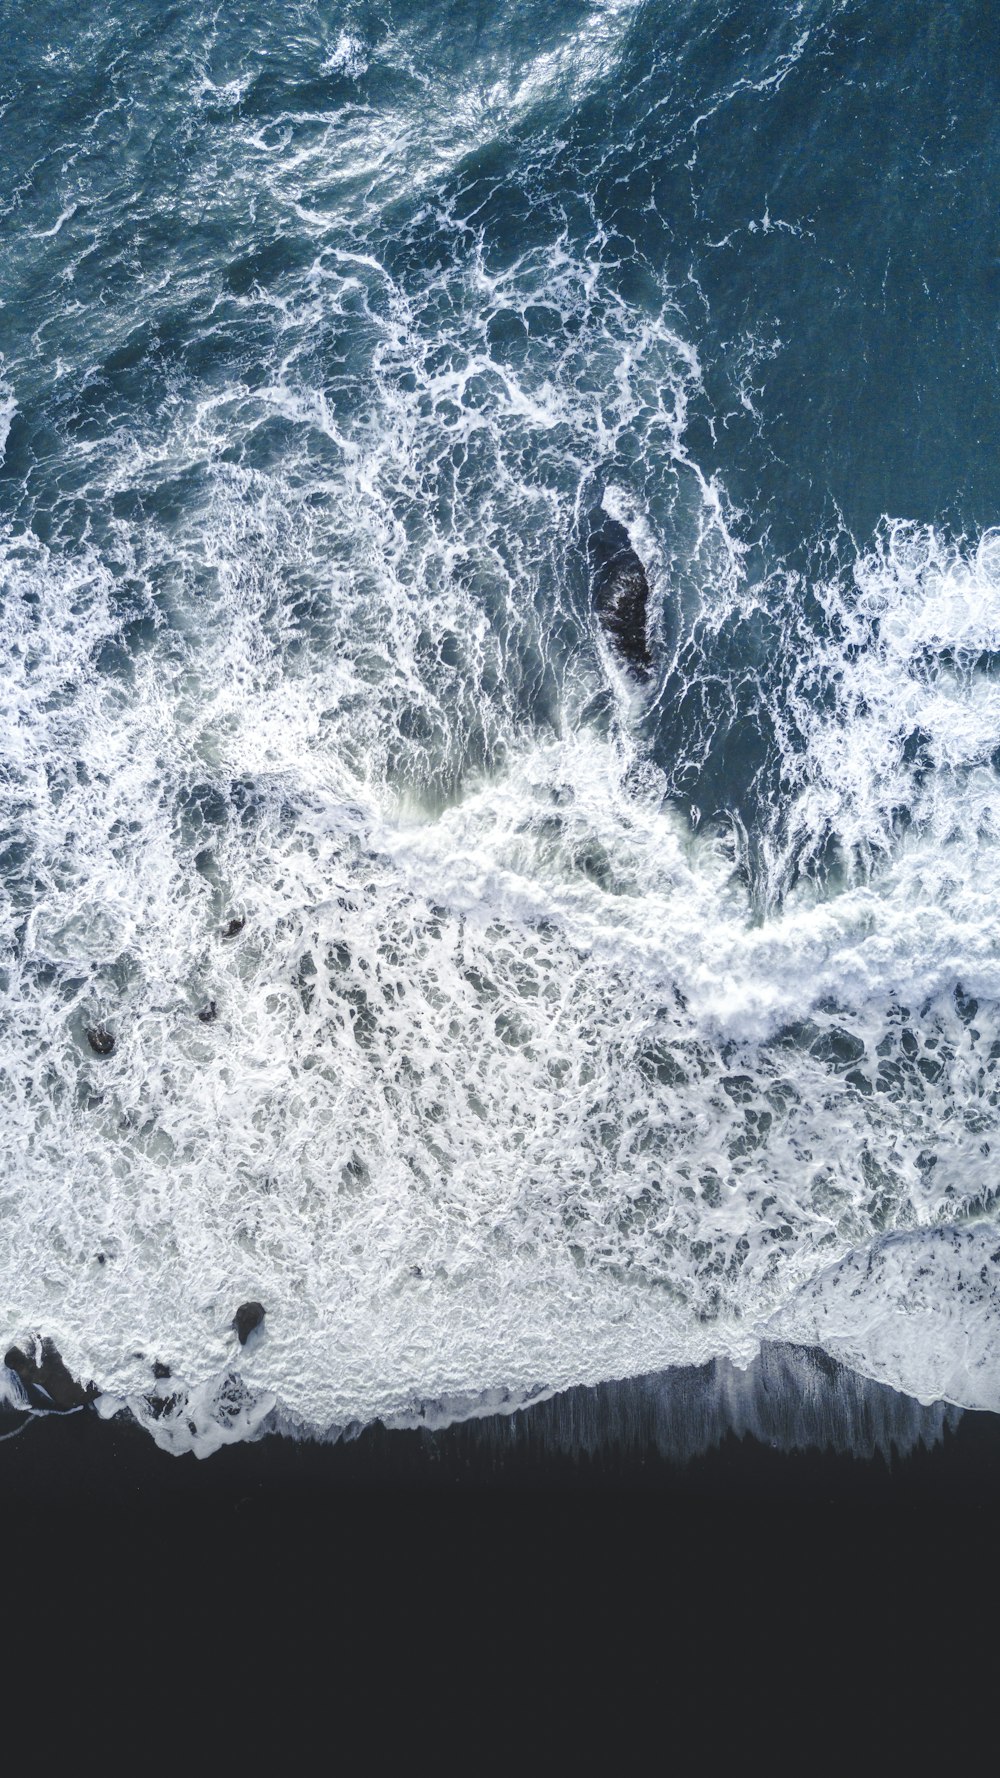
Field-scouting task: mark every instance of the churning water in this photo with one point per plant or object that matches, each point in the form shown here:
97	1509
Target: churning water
583	1020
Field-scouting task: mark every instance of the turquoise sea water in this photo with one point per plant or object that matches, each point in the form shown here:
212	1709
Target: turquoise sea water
581	1023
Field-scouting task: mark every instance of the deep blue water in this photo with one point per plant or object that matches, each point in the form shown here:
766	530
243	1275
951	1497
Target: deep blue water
585	1019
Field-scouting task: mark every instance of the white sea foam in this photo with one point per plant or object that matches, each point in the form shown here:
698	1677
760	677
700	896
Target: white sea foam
489	1100
8	408
520	1077
920	1310
346	57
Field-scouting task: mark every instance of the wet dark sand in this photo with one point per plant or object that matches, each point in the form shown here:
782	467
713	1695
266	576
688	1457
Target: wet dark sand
555	1561
796	1431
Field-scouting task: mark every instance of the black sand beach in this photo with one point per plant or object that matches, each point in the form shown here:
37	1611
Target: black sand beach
795	1430
556	1559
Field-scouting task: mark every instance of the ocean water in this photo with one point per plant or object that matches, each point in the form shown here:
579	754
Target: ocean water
584	1021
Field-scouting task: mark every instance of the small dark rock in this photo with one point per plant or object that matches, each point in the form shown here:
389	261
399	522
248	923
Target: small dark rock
207	1012
100	1040
233	927
160	1371
621	593
102	1259
159	1405
247	1319
46	1379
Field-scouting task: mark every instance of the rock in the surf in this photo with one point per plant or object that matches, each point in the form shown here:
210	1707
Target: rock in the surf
233	927
621	594
247	1319
100	1040
207	1012
45	1378
159	1405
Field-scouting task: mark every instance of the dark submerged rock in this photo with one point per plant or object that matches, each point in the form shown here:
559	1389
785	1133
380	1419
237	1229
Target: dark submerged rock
247	1319
46	1379
100	1040
234	926
159	1405
160	1371
620	593
207	1012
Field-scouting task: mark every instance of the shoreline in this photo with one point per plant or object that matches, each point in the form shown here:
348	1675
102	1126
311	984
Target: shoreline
471	1546
796	1428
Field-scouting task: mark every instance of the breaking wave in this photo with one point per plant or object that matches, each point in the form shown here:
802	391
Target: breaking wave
578	1025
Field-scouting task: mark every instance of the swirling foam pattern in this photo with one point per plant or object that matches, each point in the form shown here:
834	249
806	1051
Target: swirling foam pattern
577	1028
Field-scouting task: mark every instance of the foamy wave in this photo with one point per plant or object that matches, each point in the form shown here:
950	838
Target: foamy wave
920	1310
8	408
572	1030
493	1092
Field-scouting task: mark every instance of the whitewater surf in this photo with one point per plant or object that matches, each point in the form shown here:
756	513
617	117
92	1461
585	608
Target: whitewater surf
499	707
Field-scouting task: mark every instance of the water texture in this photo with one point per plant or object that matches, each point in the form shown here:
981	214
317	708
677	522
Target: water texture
582	1021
